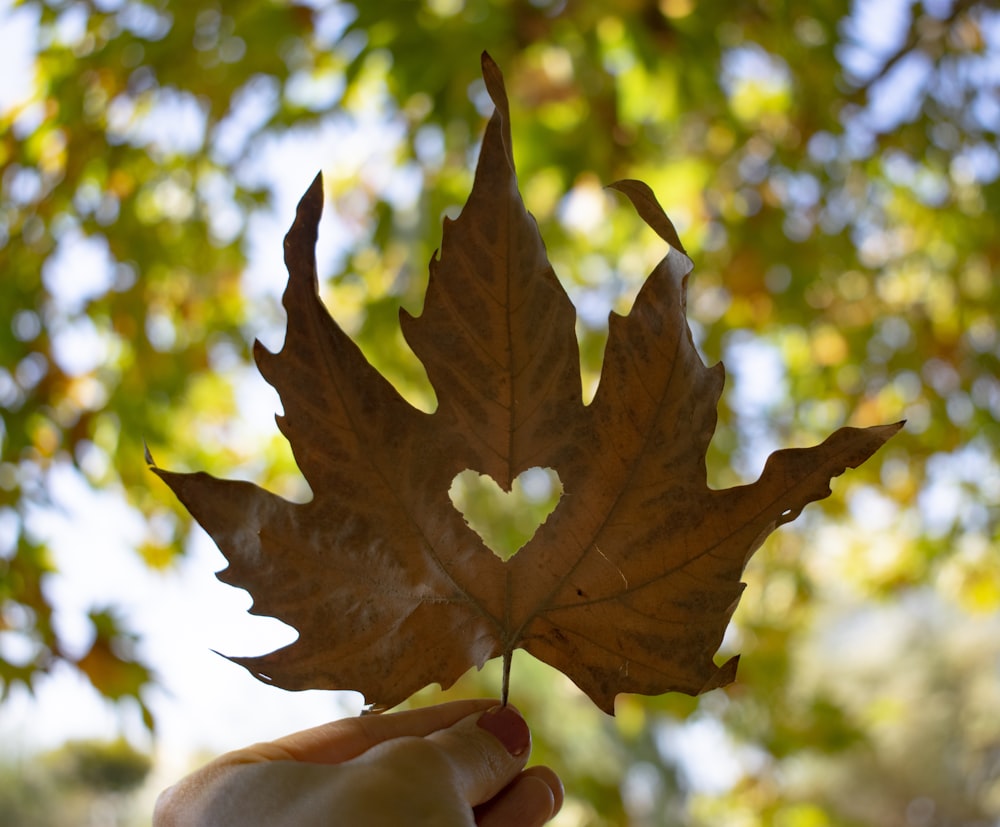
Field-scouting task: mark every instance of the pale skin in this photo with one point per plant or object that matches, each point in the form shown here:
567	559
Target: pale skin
455	765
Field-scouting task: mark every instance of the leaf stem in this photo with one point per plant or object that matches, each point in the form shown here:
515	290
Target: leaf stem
505	691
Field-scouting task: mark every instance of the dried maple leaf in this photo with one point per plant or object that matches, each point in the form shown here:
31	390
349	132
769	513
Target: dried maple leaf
627	587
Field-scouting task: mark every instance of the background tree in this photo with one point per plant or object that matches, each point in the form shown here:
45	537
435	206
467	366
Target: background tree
833	171
82	782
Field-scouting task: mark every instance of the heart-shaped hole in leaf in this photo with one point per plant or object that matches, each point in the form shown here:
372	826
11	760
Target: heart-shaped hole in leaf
506	521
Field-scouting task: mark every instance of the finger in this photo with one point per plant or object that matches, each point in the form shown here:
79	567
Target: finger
339	741
486	751
554	783
529	801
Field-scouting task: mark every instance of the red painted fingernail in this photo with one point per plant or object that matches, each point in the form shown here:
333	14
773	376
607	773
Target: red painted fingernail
508	727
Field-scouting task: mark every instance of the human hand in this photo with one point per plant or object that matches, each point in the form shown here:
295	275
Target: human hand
454	765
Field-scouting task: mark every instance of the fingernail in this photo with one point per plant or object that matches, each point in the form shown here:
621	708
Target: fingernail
508	727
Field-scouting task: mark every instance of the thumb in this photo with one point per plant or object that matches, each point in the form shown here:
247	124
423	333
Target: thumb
486	750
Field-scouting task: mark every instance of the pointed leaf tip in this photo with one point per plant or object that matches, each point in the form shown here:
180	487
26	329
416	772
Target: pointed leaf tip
301	238
493	78
313	198
650	211
148	455
310	206
499	125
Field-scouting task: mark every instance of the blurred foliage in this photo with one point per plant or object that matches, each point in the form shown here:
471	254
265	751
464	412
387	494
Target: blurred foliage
81	782
832	169
100	766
